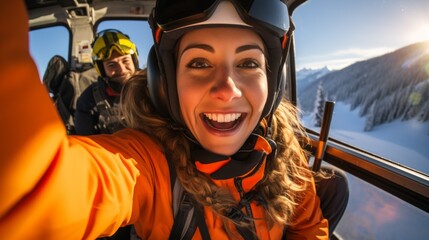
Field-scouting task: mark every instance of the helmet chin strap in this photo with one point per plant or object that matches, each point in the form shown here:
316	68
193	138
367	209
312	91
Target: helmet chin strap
115	86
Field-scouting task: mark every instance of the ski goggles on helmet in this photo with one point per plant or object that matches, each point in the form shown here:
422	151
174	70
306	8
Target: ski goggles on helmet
106	52
271	14
112	40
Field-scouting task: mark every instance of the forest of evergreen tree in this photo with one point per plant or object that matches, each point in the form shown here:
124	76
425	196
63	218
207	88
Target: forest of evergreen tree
383	89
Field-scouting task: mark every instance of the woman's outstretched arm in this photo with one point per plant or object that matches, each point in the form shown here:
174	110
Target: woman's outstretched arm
53	186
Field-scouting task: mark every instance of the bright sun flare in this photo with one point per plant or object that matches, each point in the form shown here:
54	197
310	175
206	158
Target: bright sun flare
420	32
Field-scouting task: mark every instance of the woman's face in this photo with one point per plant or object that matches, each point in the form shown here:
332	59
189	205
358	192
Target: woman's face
222	85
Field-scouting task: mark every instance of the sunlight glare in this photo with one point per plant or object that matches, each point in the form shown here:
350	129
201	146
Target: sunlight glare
418	33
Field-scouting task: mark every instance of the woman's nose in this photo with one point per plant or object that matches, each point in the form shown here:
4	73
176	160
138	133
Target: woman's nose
226	89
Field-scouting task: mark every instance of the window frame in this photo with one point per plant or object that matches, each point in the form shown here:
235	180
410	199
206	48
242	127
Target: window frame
68	44
401	181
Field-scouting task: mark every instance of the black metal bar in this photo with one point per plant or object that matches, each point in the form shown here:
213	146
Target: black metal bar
323	137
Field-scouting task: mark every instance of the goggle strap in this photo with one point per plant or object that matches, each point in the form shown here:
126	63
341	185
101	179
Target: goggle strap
158	33
284	41
153	25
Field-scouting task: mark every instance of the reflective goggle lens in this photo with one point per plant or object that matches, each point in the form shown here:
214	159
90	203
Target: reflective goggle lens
170	11
106	52
274	13
171	14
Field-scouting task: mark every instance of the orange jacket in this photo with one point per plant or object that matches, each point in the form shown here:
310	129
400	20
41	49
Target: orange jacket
58	187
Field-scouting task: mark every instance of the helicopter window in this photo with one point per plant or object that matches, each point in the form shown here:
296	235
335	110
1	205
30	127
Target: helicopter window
372	59
375	67
43	49
372	213
138	31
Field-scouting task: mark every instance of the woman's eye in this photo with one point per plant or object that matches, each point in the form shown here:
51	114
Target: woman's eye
249	64
198	63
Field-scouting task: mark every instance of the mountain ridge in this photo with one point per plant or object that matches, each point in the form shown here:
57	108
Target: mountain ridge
392	86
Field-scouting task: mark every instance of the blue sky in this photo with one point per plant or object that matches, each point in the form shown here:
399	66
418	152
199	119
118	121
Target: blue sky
333	33
339	32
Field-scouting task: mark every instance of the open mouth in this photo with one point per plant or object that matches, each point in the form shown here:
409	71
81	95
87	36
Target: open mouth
223	121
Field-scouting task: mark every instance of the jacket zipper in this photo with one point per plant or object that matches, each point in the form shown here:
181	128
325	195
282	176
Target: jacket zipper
239	185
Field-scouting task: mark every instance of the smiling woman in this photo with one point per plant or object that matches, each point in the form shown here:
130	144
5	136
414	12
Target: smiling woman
248	178
212	82
368	62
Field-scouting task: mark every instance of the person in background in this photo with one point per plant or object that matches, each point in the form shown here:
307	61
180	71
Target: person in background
115	58
208	116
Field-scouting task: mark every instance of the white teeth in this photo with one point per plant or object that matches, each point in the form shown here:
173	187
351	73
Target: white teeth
218	117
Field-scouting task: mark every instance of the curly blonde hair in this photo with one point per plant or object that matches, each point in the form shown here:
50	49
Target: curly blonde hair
285	182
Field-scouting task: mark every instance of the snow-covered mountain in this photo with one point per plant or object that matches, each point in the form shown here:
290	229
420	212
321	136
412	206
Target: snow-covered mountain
307	76
386	90
392	86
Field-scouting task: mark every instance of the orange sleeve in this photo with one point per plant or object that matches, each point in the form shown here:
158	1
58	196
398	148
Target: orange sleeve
23	125
53	186
309	222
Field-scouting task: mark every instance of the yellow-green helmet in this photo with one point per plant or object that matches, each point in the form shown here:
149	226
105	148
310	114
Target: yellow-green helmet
108	41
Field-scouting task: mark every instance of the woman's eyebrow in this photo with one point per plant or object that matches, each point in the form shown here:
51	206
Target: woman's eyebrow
211	49
248	47
200	46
